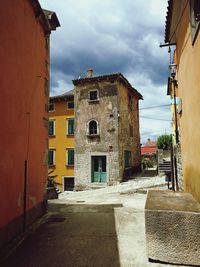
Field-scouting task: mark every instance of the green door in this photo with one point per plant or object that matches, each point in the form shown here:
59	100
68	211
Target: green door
99	174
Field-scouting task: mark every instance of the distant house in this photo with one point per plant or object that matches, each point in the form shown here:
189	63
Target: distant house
182	29
107	140
149	148
61	140
24	83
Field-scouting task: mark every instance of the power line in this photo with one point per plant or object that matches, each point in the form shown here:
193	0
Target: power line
155	119
166	105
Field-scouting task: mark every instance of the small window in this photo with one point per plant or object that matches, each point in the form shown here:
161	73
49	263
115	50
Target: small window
51	127
94	95
68	184
70	157
70	126
93	128
70	105
131	130
127	158
51	157
194	18
130	102
51	107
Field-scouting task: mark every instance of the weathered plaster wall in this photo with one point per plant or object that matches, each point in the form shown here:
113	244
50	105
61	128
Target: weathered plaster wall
129	116
188	62
24	134
105	112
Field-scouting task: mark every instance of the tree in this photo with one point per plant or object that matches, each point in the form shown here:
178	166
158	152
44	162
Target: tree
164	141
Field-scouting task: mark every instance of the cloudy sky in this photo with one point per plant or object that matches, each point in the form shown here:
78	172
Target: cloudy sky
114	36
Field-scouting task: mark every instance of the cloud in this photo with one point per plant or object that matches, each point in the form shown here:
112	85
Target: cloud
113	36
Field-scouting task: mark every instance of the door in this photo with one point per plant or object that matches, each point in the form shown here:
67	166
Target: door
99	174
68	183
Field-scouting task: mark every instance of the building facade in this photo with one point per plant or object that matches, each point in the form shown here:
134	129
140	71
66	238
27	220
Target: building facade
61	140
24	82
107	140
182	30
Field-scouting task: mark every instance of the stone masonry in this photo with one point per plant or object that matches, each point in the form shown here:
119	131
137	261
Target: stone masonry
116	113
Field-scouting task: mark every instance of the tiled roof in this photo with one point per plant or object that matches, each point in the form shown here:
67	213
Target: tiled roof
68	94
148	150
111	77
168	20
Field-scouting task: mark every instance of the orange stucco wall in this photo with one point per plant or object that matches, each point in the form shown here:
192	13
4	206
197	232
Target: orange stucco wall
23	135
188	62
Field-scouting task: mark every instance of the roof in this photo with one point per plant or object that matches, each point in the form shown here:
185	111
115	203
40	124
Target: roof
150	143
66	95
148	150
47	18
168	20
110	77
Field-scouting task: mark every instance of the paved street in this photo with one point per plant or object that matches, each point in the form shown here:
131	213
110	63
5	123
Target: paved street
103	227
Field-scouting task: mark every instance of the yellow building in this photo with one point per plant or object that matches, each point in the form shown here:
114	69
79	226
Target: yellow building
182	29
61	140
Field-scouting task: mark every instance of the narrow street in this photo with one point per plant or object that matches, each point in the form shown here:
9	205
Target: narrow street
103	227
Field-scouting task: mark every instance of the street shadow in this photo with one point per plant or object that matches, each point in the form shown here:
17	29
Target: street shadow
73	235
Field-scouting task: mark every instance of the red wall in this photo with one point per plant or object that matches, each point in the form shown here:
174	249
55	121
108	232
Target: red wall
22	133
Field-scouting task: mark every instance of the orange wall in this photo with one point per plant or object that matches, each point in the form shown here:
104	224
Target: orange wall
188	61
22	135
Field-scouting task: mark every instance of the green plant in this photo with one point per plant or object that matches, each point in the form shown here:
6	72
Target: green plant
164	141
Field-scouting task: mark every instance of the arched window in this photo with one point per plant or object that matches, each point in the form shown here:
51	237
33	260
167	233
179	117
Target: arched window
93	127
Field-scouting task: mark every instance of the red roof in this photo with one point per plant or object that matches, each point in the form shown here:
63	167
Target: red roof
148	150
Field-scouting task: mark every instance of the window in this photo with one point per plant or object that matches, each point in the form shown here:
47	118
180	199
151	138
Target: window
68	184
130	102
70	126
93	128
93	95
70	157
194	18
51	107
51	157
131	130
70	105
127	158
51	127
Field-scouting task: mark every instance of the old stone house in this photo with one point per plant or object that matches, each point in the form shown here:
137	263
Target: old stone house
107	139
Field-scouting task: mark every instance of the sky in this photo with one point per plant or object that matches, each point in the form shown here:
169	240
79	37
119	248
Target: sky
112	36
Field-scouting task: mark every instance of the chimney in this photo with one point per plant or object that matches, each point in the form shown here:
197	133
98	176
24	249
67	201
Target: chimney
89	73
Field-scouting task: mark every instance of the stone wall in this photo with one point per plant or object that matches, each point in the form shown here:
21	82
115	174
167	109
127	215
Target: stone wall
105	112
177	154
129	136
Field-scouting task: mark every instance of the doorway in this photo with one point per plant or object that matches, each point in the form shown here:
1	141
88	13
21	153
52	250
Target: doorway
99	172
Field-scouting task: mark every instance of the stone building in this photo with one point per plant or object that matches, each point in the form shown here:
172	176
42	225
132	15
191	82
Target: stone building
107	139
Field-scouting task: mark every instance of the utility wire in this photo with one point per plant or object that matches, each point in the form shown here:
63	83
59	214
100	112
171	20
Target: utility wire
155	119
166	105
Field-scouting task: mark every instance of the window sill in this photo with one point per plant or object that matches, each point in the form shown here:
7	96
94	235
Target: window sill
53	166
69	165
53	135
92	135
70	134
93	101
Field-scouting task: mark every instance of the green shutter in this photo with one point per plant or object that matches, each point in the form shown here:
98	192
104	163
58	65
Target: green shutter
71	126
127	158
51	127
50	157
70	157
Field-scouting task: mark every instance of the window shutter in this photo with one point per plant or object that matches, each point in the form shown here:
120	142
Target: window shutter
51	127
71	126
